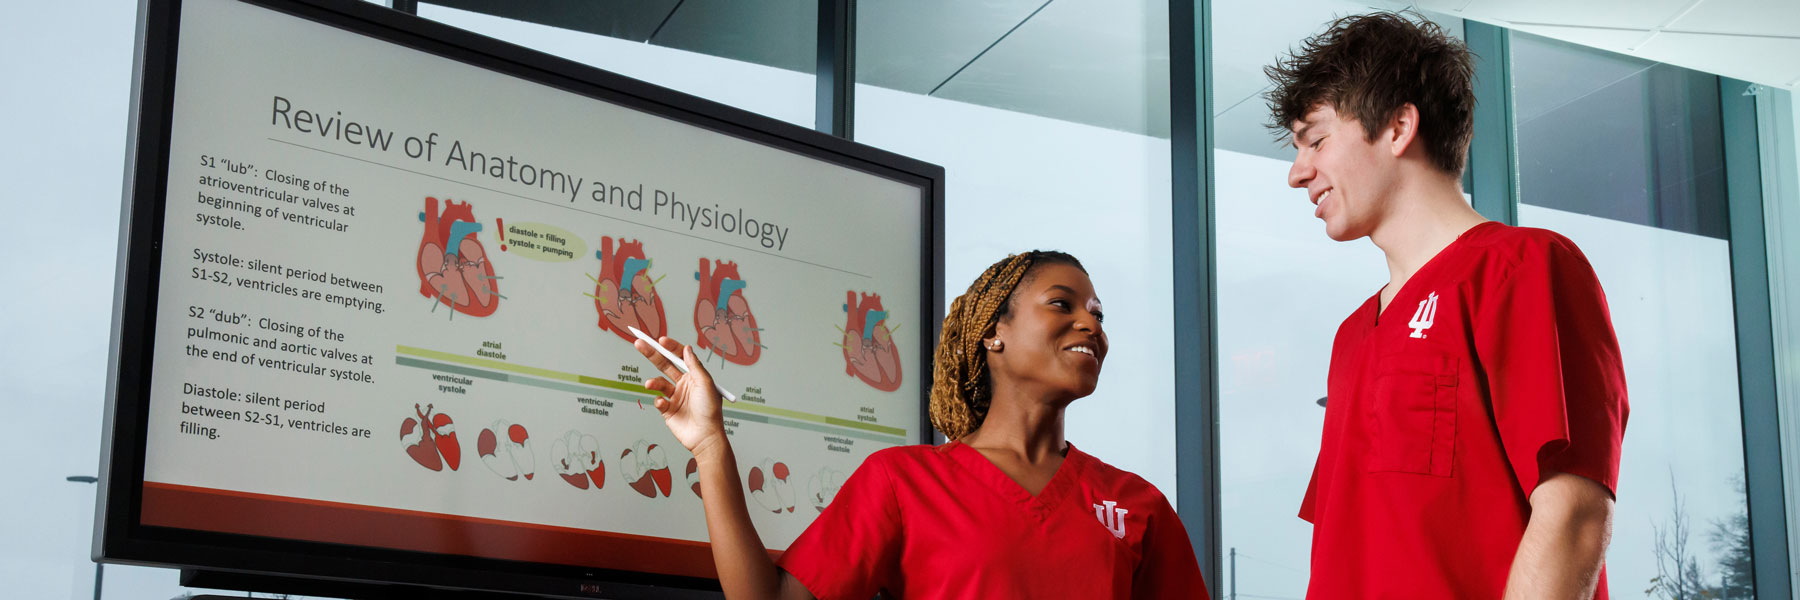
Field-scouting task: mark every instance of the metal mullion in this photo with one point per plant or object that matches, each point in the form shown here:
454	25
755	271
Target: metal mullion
1195	276
835	89
1492	163
1755	342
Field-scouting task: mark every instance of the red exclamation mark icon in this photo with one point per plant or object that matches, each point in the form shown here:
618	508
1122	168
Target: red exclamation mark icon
501	225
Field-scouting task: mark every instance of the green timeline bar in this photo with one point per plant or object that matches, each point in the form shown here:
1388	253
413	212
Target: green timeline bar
531	381
800	418
833	430
533	371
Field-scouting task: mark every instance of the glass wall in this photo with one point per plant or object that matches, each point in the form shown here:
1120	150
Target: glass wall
1626	158
1283	289
680	46
1051	122
1778	118
68	73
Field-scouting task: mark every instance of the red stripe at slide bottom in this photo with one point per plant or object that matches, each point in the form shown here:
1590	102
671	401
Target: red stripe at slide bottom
226	511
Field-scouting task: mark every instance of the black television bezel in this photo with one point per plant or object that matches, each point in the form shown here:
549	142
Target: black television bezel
119	536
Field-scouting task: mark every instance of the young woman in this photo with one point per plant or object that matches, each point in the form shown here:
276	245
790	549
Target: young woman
1006	509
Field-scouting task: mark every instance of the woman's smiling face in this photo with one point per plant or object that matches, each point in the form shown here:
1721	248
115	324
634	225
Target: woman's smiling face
1052	340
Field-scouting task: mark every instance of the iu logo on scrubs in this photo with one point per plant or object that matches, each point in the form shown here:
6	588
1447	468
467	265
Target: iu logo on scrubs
1111	517
1422	318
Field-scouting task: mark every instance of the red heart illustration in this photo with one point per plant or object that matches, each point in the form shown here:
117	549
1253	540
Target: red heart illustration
453	265
430	439
577	459
869	351
646	469
624	294
770	488
722	316
506	450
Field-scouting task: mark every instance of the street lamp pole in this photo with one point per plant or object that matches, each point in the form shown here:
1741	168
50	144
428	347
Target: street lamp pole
99	567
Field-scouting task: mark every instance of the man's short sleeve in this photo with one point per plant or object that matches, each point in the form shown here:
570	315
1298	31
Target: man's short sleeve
1168	568
1544	339
853	548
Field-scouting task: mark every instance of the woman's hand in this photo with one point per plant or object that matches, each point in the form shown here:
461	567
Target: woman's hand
690	402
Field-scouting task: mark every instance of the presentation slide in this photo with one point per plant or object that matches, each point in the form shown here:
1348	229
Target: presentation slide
396	292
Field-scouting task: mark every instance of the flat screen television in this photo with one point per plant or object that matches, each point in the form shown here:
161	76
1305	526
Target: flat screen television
376	279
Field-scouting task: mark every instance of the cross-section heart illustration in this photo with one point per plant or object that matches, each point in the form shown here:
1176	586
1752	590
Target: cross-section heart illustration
693	476
430	439
453	266
506	450
824	486
869	351
624	293
770	487
646	469
576	457
722	316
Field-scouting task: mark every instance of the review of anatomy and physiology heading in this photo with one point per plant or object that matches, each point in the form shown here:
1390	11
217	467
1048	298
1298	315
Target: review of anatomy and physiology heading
508	168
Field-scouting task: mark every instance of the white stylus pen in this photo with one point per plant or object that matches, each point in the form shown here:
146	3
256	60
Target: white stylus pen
679	364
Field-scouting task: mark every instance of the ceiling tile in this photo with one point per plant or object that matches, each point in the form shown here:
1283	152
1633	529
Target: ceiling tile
1629	14
1727	56
1754	17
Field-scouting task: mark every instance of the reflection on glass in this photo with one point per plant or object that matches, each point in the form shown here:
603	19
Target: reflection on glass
1626	158
732	53
1051	126
1283	289
1778	133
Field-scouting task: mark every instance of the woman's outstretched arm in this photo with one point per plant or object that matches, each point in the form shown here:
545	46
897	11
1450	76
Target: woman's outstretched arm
690	407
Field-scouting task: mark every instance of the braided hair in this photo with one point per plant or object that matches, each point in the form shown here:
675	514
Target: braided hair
961	387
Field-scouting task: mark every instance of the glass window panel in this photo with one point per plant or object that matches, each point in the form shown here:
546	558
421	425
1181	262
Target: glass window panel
734	54
64	173
1283	289
1627	160
1618	137
1778	124
1052	128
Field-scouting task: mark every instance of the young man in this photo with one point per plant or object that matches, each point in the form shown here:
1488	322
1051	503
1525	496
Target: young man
1477	401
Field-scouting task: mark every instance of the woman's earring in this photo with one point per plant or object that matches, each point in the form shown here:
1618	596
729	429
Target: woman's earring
996	345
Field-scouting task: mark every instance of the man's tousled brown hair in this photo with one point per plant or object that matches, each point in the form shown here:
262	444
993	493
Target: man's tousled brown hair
1368	67
961	388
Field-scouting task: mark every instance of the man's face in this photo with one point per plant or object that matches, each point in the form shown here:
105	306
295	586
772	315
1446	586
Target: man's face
1348	177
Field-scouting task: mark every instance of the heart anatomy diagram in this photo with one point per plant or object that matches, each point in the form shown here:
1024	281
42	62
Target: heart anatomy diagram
454	268
506	450
824	487
770	487
646	470
624	294
722	316
430	439
576	457
869	352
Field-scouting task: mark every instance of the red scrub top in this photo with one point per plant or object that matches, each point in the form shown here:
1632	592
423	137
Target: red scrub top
943	522
1494	365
